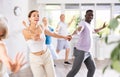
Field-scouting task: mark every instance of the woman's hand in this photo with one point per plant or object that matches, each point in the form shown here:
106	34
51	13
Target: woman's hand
34	35
68	37
19	62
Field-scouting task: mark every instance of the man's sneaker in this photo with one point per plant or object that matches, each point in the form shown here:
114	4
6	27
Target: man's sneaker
67	63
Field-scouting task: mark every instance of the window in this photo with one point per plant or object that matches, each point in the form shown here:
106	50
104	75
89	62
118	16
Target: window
70	11
103	12
52	6
69	15
53	11
72	6
116	12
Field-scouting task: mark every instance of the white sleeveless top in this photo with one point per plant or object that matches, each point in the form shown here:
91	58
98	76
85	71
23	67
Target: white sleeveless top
36	46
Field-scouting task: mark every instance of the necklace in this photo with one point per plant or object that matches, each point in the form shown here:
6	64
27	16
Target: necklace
33	30
36	30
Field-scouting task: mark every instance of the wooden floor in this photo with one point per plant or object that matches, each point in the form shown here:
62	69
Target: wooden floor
62	70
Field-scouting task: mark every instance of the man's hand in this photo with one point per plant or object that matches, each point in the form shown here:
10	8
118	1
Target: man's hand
69	37
104	25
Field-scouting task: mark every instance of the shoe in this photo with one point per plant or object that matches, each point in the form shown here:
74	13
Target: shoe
67	63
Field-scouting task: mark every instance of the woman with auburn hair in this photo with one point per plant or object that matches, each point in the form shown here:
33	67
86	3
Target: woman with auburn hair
41	62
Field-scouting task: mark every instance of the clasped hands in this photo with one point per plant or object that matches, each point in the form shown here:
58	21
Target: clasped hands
68	37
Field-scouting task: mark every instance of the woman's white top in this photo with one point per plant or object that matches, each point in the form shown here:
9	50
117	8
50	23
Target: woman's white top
36	46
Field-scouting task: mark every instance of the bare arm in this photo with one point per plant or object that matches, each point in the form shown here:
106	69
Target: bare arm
13	66
53	34
7	61
97	30
27	35
71	21
77	30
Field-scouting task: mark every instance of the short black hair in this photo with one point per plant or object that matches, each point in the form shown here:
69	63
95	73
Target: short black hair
89	11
